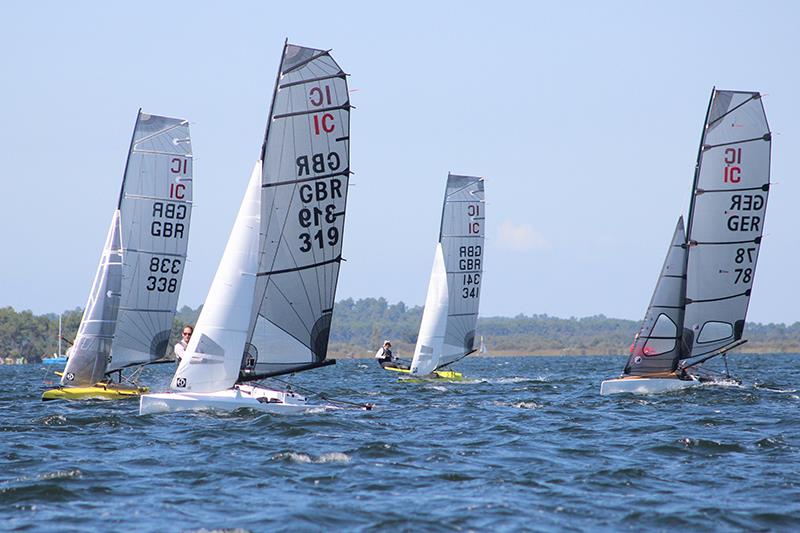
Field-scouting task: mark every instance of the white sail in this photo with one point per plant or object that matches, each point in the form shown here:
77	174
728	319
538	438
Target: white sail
430	342
213	357
155	211
92	347
306	157
461	238
726	219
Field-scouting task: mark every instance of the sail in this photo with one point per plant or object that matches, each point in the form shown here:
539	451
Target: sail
213	356
92	347
155	210
461	237
657	347
430	340
306	168
726	219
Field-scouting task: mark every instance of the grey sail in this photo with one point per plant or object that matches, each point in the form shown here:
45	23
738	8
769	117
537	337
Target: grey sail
92	347
657	347
155	212
134	295
461	236
726	220
305	175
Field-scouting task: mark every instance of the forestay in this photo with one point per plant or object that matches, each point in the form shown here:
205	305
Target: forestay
447	332
657	347
306	168
129	314
726	219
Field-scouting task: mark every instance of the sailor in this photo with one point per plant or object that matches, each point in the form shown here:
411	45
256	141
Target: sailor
384	353
181	346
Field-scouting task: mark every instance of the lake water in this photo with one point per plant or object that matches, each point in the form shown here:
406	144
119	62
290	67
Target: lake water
527	444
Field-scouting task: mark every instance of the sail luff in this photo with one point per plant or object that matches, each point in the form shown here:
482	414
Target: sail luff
272	102
128	160
698	161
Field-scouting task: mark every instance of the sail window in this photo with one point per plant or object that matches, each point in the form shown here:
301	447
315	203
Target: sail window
715	331
662	337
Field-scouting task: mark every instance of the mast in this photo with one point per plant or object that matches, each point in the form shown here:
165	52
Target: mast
697	168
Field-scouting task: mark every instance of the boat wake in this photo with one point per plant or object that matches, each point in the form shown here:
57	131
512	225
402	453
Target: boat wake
331	457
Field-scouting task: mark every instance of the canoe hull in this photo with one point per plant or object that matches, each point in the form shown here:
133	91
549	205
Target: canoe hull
639	385
239	397
100	391
448	375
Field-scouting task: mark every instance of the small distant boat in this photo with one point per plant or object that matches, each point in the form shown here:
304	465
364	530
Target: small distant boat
699	305
268	312
128	318
58	357
447	332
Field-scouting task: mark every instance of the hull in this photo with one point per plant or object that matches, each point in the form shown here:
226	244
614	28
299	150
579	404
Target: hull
240	396
100	391
446	375
639	385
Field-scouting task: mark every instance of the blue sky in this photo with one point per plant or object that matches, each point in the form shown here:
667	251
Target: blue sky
584	118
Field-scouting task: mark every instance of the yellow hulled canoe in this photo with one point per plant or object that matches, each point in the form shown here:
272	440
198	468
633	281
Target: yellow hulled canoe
100	391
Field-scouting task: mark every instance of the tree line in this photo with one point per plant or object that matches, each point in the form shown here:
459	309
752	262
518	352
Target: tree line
359	327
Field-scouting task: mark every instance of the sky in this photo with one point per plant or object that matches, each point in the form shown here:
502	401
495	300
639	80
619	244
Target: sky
584	118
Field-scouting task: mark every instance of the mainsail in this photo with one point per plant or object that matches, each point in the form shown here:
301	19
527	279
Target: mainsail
306	157
447	332
269	308
129	314
657	347
726	219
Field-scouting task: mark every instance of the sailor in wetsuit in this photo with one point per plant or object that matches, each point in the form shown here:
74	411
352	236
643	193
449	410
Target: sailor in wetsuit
384	355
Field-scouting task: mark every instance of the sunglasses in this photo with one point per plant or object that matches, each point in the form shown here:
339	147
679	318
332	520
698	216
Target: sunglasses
187	334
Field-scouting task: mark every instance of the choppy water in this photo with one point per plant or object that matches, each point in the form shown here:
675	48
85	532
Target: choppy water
529	444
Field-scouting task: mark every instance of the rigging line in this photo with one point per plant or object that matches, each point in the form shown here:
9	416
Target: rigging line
322	395
766	137
728	112
296	312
